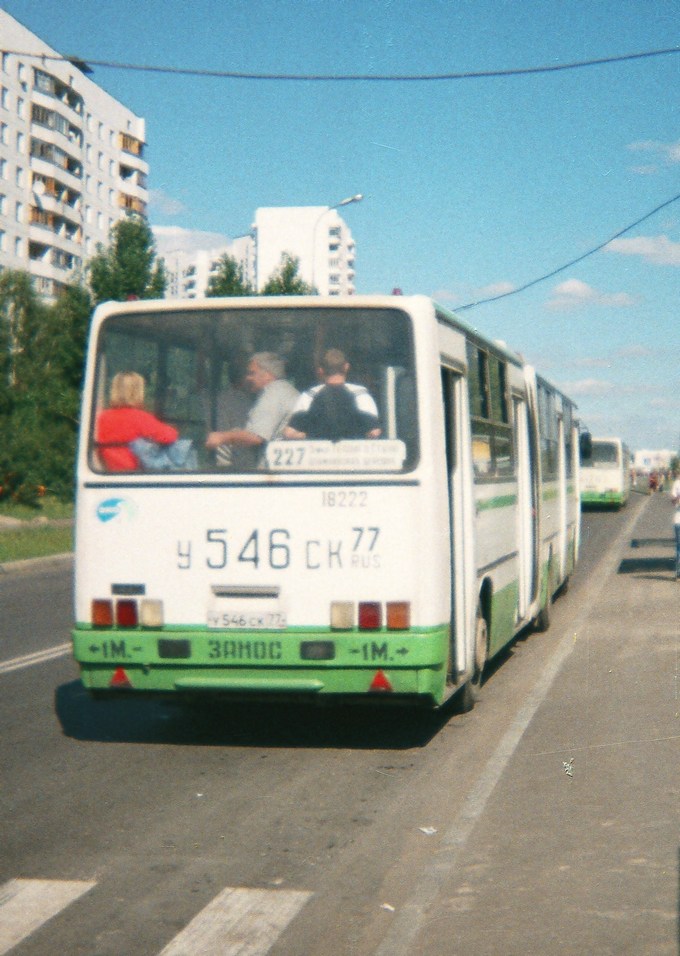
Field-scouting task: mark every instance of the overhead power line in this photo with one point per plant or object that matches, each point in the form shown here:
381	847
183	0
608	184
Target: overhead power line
567	265
84	63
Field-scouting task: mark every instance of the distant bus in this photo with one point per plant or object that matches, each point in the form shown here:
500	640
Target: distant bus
382	569
605	473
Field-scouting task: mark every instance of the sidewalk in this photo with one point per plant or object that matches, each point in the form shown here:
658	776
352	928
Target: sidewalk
577	849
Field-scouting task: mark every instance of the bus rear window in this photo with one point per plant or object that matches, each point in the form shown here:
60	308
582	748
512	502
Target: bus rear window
255	389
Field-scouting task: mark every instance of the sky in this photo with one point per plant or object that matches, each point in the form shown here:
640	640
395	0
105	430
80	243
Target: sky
472	187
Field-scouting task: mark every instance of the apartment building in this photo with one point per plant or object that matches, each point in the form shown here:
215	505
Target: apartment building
189	272
315	235
71	161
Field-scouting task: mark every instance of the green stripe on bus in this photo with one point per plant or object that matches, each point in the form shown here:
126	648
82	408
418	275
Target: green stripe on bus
501	501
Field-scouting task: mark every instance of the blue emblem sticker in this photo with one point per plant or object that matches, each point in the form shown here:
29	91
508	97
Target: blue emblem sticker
114	508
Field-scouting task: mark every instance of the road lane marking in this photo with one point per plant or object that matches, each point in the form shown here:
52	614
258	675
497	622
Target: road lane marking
37	657
238	922
26	904
437	874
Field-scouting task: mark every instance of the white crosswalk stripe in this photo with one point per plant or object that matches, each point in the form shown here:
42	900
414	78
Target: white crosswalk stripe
238	922
37	657
26	904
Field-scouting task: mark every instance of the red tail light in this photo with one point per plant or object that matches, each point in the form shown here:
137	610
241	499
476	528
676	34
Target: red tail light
370	616
126	613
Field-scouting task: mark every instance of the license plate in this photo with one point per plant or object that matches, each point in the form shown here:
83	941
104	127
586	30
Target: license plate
246	619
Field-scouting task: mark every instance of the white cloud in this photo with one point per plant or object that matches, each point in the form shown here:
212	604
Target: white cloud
659	250
160	202
496	288
668	154
176	239
587	386
460	294
633	352
574	294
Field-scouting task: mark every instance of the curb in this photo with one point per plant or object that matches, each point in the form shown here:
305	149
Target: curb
36	564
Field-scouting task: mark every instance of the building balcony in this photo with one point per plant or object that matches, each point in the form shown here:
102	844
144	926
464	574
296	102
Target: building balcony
50	168
72	102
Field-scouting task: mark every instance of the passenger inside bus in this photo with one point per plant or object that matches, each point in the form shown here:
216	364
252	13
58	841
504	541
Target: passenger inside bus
125	421
269	413
335	410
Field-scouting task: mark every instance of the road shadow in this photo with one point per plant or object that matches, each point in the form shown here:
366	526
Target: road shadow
645	566
218	723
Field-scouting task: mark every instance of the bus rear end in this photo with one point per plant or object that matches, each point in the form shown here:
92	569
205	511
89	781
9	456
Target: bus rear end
295	570
604	474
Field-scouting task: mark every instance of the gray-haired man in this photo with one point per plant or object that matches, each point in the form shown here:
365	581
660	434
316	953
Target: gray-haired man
270	411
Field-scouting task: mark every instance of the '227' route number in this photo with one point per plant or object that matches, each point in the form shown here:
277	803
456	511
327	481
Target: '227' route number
276	549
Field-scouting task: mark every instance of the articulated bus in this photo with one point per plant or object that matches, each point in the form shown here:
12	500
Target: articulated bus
605	473
389	568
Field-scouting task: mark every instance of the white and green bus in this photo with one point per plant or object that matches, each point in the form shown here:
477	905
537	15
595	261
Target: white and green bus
371	569
605	473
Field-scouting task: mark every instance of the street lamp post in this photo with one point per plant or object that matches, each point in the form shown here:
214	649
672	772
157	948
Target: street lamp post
343	202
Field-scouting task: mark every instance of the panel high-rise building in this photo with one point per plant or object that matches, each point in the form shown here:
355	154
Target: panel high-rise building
71	161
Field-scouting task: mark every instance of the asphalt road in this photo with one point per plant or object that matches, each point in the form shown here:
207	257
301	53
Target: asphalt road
544	822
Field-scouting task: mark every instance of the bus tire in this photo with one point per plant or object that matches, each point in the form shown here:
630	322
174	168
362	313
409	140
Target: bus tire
469	692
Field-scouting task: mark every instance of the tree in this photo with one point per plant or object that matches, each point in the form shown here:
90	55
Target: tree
128	268
286	280
42	348
229	279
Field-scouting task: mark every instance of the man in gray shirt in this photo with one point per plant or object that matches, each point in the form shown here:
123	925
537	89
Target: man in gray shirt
270	411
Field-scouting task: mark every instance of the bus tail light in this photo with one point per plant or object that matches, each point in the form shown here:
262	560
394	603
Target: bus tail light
102	613
398	615
370	616
342	615
151	613
126	613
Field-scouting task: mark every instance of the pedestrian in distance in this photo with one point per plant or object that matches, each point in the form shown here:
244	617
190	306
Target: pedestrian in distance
675	498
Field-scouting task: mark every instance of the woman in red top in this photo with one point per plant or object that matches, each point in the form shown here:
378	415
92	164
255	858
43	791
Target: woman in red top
126	420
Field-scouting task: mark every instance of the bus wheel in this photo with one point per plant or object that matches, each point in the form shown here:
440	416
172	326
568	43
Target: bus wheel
469	692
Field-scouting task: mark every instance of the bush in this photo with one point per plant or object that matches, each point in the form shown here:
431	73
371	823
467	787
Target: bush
14	487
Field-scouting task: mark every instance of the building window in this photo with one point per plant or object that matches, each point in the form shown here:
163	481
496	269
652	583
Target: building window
19	179
4	98
4	133
3	205
21	142
3	240
18	252
21	107
3	169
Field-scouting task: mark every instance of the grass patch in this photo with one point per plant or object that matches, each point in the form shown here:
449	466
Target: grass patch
17	544
34	539
47	507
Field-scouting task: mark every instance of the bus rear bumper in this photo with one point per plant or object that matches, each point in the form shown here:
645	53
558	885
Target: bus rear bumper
310	665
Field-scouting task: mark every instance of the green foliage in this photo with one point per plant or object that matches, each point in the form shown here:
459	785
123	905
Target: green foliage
128	268
229	280
286	280
41	355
